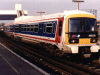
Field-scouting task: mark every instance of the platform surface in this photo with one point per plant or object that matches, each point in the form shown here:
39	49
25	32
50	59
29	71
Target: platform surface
10	64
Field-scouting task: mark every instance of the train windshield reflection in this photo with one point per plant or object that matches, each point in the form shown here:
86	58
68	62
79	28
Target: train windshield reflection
90	25
82	25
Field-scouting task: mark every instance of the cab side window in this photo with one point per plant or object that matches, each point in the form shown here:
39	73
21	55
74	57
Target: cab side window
60	28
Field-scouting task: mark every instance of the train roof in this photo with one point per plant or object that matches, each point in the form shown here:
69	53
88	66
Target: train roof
56	15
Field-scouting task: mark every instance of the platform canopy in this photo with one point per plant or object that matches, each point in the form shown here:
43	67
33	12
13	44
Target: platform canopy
12	14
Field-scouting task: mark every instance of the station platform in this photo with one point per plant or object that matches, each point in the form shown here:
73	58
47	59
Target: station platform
13	64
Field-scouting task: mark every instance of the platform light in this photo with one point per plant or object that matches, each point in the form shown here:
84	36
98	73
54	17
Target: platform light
78	2
40	13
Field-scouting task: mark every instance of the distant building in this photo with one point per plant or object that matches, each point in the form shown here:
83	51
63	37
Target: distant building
12	14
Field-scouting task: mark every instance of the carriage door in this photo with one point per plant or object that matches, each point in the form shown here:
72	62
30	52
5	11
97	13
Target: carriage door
41	28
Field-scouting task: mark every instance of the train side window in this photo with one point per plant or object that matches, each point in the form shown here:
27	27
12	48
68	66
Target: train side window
32	28
11	28
16	27
24	25
60	28
24	29
54	27
28	27
35	28
49	28
21	29
21	25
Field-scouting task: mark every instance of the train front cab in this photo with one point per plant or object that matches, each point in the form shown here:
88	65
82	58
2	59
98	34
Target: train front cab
81	35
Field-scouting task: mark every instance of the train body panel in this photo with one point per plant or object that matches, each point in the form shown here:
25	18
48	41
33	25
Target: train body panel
41	37
73	32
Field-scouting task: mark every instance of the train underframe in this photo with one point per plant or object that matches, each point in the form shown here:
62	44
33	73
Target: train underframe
83	51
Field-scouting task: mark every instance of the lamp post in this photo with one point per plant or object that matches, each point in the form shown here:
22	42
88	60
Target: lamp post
78	2
40	13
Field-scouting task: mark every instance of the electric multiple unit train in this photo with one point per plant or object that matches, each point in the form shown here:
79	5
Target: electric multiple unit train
73	32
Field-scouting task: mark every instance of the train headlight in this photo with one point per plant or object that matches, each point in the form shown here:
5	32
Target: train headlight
93	40
73	40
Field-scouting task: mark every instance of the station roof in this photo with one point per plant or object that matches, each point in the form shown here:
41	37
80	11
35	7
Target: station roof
9	14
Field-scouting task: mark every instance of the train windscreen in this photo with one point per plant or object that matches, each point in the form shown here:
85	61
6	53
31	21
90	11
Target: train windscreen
82	25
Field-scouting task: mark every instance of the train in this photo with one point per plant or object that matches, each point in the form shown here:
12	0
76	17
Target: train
71	32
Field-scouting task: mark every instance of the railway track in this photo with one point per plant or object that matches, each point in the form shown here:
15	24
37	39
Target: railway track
49	63
95	65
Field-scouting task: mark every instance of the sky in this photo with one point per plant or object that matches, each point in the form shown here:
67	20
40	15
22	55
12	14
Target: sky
49	6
